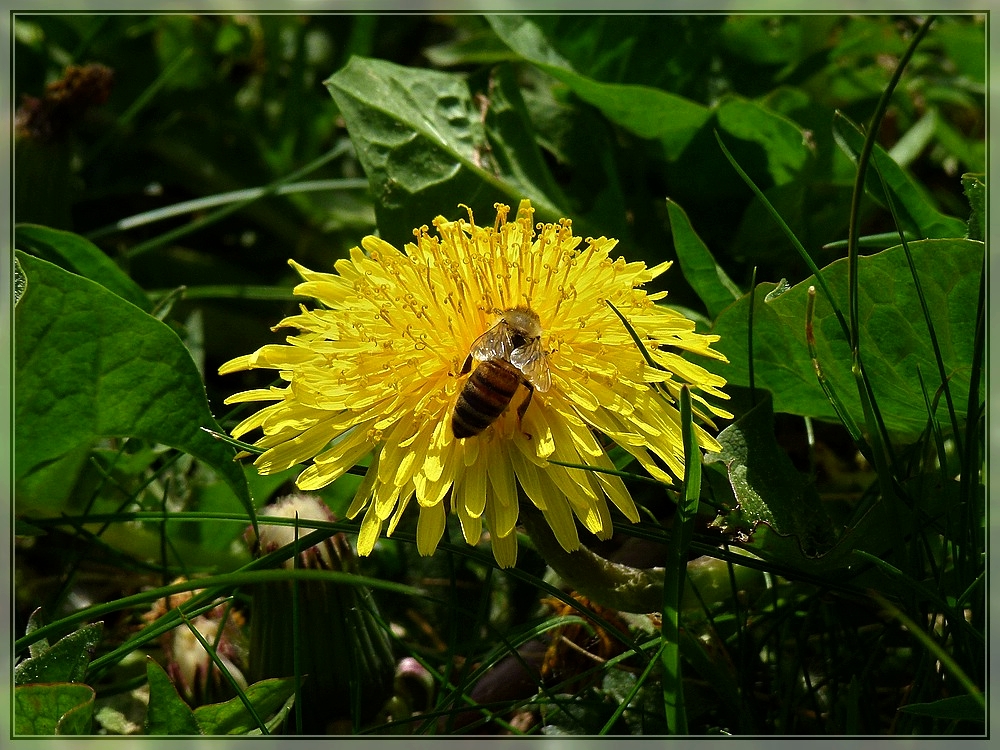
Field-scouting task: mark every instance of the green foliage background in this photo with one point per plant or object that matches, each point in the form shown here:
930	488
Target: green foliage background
154	226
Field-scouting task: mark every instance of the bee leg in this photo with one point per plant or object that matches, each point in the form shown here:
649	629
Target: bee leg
524	408
467	366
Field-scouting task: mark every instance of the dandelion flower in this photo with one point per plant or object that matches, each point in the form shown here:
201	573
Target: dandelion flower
379	368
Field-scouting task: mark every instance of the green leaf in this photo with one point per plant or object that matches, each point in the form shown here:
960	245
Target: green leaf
705	276
915	209
422	142
167	713
20	283
768	488
894	339
479	47
514	146
88	365
974	186
956	708
81	256
782	140
64	709
270	698
64	661
648	112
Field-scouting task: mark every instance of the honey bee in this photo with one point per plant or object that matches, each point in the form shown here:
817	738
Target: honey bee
510	355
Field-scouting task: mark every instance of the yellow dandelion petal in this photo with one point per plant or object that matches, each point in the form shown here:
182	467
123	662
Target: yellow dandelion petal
405	495
371	527
402	449
559	516
506	325
567	427
332	464
505	546
430	528
472	524
385	499
530	476
596	518
293	451
259	394
503	503
538	425
501	475
614	488
471	496
363	495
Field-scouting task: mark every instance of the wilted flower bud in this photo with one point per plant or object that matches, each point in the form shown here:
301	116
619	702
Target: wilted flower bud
342	649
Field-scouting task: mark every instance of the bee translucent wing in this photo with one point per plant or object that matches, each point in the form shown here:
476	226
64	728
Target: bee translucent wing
496	342
530	360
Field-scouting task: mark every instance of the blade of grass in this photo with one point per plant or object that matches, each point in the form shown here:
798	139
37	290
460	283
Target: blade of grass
675	572
175	234
614	472
923	592
881	446
935	648
925	309
971	523
633	692
859	180
810	263
838	406
750	374
140	103
225	672
297	644
934	429
222	199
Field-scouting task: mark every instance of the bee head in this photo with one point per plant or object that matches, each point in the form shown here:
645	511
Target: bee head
524	325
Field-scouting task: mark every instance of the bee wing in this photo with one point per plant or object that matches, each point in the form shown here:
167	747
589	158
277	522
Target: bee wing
530	360
496	342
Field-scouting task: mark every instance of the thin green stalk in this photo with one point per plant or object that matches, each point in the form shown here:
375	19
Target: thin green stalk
167	237
838	406
140	103
296	642
622	705
675	572
919	591
613	472
935	649
807	259
925	309
225	673
859	180
222	199
881	446
968	479
750	374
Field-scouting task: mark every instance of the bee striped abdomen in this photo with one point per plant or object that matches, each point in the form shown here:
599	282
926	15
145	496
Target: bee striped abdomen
486	394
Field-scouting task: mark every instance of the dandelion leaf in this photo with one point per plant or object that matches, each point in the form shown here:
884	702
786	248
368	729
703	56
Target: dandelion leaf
974	186
64	661
769	491
54	708
914	208
167	712
894	339
80	256
422	140
646	111
88	365
708	279
271	699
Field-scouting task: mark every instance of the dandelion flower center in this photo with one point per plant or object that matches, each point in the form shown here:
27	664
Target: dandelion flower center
405	338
